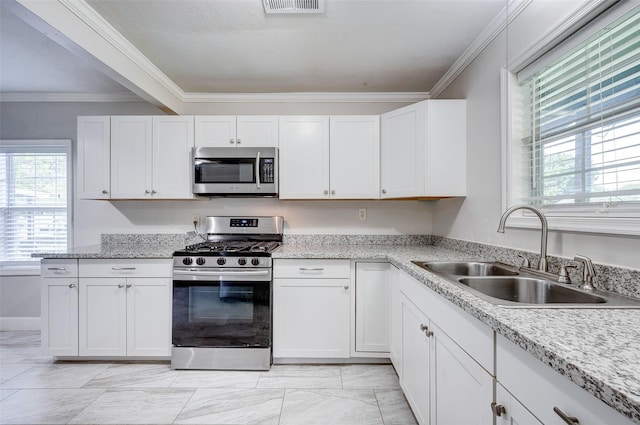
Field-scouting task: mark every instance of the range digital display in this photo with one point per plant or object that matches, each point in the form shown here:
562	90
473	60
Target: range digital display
244	222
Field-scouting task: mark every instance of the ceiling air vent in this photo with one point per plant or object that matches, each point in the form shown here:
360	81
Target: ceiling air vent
293	6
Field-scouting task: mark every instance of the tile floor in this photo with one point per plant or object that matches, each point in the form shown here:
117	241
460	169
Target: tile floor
36	390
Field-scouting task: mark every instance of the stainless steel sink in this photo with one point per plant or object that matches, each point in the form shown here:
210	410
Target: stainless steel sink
529	290
467	268
508	286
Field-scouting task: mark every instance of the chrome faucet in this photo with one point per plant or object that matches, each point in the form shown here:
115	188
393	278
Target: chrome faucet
542	265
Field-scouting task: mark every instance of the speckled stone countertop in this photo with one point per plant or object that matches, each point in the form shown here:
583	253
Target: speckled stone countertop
599	350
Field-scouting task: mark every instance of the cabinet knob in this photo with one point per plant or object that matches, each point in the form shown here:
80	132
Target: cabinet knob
238	141
498	409
346	287
129	285
424	328
147	191
231	141
569	420
72	285
153	192
384	191
121	285
333	192
104	192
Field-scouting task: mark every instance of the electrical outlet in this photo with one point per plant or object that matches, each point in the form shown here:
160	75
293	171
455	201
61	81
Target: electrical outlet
196	219
362	214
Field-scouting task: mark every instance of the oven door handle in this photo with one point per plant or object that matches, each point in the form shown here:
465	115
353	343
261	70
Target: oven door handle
222	273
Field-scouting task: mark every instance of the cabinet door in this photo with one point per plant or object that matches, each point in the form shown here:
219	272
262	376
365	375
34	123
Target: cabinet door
102	317
514	412
355	157
172	143
215	130
304	157
457	378
372	307
395	319
415	380
94	157
402	152
60	316
131	157
257	131
148	316
311	318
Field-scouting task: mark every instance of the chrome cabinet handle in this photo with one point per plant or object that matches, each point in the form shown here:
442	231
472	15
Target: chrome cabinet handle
147	191
238	141
57	269
333	192
384	191
104	192
569	420
311	269
326	192
498	409
118	269
129	285
120	285
231	141
346	287
424	328
72	285
153	192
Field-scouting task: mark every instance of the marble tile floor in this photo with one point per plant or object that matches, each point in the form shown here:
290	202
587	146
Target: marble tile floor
36	390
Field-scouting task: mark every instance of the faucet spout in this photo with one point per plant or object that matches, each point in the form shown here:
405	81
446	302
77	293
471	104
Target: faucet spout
542	265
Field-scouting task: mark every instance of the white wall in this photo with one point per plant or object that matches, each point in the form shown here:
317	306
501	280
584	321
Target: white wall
476	218
91	218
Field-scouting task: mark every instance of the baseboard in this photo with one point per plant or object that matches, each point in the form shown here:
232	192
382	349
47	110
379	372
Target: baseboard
19	323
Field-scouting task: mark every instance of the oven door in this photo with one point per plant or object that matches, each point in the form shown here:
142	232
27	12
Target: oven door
227	308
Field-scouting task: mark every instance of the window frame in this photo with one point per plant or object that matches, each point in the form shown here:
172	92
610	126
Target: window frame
566	36
25	267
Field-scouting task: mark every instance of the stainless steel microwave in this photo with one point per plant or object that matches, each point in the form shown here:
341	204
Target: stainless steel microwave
229	171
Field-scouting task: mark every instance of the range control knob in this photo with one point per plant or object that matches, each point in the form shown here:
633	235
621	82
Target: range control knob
187	261
222	261
242	261
255	261
200	261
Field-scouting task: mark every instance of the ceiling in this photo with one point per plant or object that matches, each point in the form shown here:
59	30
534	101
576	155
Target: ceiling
232	46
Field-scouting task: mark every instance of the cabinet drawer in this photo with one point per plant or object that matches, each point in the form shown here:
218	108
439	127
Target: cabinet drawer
125	267
50	267
539	388
311	269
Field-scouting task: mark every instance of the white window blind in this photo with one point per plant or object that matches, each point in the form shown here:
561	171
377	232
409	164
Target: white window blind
34	184
577	146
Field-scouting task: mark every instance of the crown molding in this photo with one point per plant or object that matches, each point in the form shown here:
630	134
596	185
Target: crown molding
302	97
68	97
493	30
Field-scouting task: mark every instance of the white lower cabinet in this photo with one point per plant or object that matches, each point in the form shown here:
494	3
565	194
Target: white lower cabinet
59	307
395	319
547	395
372	308
106	308
438	373
311	305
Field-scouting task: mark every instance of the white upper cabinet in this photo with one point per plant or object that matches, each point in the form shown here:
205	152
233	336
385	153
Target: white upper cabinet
231	131
424	150
354	157
150	157
304	157
171	168
93	167
325	157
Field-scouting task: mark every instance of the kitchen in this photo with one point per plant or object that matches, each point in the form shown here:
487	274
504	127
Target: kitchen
473	218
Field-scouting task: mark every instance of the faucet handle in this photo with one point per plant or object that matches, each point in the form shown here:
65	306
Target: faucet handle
563	276
525	261
587	274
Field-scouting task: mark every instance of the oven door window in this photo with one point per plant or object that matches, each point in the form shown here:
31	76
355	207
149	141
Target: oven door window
221	314
228	170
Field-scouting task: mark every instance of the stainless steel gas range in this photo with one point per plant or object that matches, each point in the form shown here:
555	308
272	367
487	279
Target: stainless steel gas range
222	295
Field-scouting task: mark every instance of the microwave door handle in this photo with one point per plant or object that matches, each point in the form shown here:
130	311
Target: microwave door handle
258	170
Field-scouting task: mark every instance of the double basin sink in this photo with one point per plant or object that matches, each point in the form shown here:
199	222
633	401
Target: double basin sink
507	286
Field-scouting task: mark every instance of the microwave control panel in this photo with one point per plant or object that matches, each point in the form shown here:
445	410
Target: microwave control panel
266	170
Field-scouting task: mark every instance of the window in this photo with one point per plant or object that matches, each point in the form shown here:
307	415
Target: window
34	201
575	140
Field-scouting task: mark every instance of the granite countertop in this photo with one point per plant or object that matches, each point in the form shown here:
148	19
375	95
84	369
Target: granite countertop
599	350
